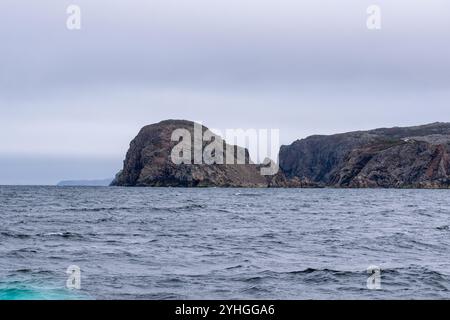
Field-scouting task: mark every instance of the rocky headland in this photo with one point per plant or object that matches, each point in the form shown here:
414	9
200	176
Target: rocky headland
410	157
148	163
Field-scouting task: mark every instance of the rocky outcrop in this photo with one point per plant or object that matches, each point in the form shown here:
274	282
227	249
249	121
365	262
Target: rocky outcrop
412	157
149	163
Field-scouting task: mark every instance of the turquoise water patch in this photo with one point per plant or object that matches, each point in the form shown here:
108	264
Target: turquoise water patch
18	291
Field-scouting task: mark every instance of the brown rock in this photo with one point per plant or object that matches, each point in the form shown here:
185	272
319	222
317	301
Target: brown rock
411	157
148	163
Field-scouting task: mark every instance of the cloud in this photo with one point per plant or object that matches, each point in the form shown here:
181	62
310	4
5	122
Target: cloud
225	43
304	67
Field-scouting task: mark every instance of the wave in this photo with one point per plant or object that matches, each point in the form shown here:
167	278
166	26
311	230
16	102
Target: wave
8	234
248	194
100	209
179	208
390	275
62	235
19	291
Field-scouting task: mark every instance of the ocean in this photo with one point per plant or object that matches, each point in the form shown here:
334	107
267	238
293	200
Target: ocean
213	243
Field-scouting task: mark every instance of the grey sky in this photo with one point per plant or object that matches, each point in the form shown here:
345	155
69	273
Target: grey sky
70	101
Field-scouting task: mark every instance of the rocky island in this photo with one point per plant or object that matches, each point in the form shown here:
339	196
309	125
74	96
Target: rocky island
410	157
148	163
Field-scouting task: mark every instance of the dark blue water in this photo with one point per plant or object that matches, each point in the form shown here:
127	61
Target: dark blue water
156	243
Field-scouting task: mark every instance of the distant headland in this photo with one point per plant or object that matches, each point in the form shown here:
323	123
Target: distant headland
85	183
399	157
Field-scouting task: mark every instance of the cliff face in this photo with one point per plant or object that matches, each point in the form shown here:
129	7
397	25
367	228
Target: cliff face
149	163
414	157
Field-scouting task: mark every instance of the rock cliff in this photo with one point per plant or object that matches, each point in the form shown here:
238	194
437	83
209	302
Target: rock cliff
149	163
411	157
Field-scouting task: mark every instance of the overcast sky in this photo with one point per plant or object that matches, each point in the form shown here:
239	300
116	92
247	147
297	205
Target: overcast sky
71	101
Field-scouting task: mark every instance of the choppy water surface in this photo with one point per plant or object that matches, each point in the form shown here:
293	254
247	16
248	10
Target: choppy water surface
157	243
